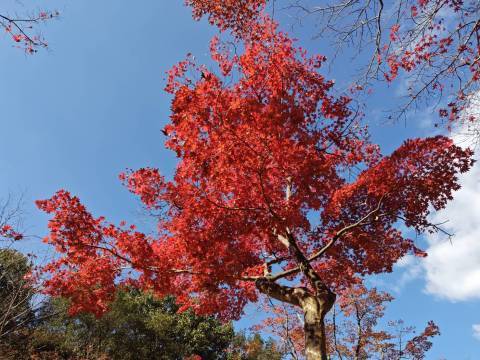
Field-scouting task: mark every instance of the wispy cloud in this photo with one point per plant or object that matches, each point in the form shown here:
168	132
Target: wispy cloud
476	331
411	269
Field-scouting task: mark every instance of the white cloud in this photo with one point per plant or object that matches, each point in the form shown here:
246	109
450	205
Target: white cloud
452	269
476	331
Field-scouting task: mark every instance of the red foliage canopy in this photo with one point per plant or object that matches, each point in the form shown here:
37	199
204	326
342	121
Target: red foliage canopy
432	43
266	153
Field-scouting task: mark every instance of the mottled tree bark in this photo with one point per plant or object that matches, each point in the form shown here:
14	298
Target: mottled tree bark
315	307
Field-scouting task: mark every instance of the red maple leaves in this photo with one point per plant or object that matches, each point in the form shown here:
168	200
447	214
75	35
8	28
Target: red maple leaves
228	14
9	233
20	29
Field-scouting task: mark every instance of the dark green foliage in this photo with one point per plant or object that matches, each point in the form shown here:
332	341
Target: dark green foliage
138	326
16	308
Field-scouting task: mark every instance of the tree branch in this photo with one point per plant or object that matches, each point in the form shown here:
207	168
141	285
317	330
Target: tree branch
323	250
280	292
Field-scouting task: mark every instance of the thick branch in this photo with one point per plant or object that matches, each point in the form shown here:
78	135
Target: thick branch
323	250
304	263
280	292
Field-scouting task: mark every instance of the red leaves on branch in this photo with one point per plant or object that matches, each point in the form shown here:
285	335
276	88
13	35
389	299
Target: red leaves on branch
421	173
21	29
419	345
228	14
262	146
147	183
437	46
7	232
359	334
93	253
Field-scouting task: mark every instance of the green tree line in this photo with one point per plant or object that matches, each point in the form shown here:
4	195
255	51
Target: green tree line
137	326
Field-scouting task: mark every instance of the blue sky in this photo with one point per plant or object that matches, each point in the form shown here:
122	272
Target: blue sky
77	115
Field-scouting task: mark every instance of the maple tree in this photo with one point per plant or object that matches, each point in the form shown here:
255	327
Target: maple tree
357	337
353	331
21	29
276	180
285	323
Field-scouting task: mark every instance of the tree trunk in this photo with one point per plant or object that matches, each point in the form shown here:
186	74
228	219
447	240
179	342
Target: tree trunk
315	308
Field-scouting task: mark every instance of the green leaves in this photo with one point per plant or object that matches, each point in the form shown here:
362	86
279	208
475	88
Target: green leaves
137	326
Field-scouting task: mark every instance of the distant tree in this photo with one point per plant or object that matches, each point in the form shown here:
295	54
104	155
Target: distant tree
137	326
354	329
254	347
17	312
358	334
286	324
